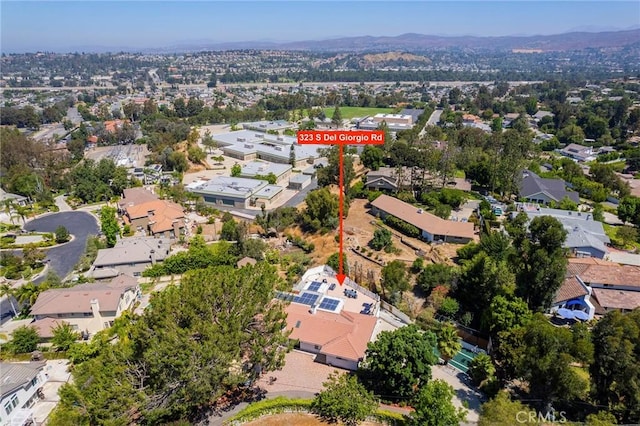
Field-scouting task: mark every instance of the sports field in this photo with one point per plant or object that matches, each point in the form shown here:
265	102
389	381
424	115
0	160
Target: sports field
351	112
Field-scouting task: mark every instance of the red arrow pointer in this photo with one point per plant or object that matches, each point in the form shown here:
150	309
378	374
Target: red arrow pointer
341	276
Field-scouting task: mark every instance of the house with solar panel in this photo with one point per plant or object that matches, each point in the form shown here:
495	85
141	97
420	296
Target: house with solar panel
335	322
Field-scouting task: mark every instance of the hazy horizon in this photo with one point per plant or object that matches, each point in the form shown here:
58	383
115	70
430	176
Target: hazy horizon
65	26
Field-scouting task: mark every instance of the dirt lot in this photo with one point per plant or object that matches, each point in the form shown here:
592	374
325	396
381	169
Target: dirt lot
297	419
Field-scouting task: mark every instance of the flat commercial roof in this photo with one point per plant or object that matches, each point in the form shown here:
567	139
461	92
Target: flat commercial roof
264	168
268	191
250	141
230	186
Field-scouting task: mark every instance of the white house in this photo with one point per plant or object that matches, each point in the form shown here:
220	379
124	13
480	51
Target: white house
19	385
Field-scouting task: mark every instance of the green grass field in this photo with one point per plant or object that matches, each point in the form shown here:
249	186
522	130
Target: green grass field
351	112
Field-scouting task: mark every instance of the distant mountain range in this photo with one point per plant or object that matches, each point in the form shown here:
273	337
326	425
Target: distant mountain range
418	42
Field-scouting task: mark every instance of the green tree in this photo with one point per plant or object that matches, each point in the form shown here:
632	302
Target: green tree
208	142
602	418
372	157
481	369
505	313
109	225
628	234
32	256
216	319
434	406
292	156
9	292
321	212
64	336
344	400
336	118
381	239
24	340
615	372
332	262
481	279
545	362
541	262
196	155
398	363
436	274
448	341
502	411
62	234
236	170
394	277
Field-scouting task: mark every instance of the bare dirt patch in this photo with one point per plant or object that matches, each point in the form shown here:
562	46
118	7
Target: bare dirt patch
298	419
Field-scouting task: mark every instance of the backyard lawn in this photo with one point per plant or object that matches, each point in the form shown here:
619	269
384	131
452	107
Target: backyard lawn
351	112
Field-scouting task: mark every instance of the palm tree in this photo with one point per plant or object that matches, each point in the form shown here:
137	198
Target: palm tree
448	341
28	293
7	290
8	208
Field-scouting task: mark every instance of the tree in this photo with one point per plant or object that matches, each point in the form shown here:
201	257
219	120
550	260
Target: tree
501	410
615	371
398	363
344	400
64	336
336	118
24	340
32	256
9	292
381	239
435	274
372	157
236	170
448	341
292	156
330	174
394	277
481	279
196	155
208	141
545	362
333	263
629	210
628	234
505	313
434	406
109	225
321	212
541	262
217	320
62	234
481	369
28	293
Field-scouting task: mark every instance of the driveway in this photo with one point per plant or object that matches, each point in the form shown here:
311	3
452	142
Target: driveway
62	259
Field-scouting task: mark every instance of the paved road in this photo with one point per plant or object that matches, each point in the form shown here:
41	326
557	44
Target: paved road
63	258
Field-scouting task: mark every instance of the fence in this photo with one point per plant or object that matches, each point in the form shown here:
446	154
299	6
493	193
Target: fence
395	311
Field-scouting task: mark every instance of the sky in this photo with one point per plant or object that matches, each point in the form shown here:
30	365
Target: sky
65	26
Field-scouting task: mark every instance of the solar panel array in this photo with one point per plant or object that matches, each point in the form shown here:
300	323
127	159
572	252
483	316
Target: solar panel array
314	286
306	298
329	304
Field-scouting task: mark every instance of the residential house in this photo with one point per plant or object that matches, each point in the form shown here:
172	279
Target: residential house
432	228
19	386
535	189
16	199
135	196
90	307
608	285
579	153
159	218
389	179
585	237
335	322
129	256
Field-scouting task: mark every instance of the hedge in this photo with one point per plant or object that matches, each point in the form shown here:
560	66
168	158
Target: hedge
277	405
389	417
402	226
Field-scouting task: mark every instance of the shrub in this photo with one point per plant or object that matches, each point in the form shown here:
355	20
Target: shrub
402	226
271	406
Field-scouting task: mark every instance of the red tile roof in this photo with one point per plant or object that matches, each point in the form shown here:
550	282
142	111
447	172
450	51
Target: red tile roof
570	289
617	299
344	335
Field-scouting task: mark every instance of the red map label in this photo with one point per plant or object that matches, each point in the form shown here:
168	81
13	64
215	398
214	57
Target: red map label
341	137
